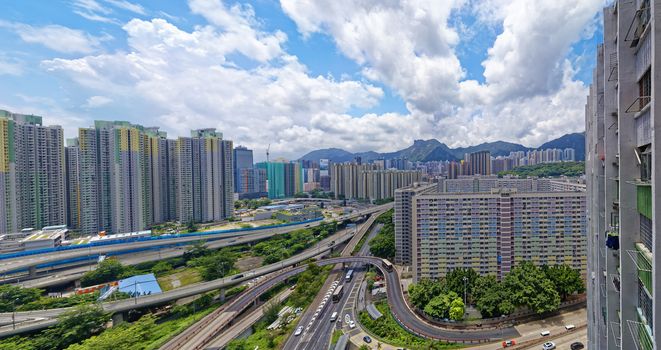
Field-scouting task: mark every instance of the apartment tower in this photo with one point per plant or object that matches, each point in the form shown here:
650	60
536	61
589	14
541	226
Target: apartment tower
622	170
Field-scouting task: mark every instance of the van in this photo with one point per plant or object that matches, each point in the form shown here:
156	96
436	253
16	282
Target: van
570	327
333	317
545	333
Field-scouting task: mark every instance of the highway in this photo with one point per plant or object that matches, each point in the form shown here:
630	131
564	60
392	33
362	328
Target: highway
405	316
45	318
318	337
69	275
246	322
202	332
25	262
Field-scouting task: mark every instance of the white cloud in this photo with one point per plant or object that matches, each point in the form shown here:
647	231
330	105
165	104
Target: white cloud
182	79
93	11
56	37
405	44
529	94
238	23
10	67
97	101
185	81
129	6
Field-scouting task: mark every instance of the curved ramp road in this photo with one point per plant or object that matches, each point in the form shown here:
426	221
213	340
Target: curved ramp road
206	330
402	313
25	262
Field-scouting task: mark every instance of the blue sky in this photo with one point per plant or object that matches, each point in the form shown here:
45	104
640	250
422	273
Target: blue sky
362	75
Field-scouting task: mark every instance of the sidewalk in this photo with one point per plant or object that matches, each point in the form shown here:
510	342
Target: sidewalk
531	330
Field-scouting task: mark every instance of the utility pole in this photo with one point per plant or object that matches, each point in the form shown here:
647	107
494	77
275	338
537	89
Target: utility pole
465	289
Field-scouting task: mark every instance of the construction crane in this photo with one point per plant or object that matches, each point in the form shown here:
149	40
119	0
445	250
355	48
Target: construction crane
267	152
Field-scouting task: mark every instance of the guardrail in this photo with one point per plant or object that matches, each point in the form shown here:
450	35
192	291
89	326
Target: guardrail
497	322
148	239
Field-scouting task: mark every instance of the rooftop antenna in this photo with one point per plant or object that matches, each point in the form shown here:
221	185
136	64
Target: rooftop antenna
267	152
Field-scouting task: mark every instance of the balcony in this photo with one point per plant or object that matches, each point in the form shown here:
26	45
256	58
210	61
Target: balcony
638	104
641	334
638	24
616	332
642	258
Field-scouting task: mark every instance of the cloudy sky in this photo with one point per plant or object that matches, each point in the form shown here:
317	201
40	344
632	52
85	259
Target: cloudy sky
301	74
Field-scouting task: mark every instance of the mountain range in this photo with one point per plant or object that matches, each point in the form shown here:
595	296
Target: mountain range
434	150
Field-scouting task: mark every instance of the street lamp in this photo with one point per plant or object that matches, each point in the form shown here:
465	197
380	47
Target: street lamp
465	289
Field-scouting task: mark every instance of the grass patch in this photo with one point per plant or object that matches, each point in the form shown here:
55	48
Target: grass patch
184	276
308	285
335	337
389	331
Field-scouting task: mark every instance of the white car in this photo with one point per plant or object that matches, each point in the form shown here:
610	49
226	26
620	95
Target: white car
298	332
548	346
352	324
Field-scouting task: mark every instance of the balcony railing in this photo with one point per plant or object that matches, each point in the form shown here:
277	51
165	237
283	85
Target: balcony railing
641	334
638	25
642	258
616	331
638	104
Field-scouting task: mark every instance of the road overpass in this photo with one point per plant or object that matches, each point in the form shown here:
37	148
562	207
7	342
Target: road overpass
40	319
205	330
31	261
400	310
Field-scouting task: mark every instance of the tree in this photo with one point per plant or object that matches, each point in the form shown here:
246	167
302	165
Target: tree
301	195
12	297
72	327
161	268
195	250
214	266
528	286
124	336
440	305
383	245
191	227
457	308
455	280
565	279
421	293
106	271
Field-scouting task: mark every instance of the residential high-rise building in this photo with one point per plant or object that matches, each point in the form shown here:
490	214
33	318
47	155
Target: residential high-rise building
125	159
284	179
403	220
569	155
491	232
243	161
204	177
32	173
126	177
368	181
480	163
622	160
72	157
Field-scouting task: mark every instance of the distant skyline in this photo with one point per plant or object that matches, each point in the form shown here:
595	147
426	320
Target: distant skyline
306	75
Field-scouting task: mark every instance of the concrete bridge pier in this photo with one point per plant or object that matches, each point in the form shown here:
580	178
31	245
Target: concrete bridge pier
222	295
117	318
33	271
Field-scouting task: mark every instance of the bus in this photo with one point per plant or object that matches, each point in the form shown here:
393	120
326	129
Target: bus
387	265
349	276
337	294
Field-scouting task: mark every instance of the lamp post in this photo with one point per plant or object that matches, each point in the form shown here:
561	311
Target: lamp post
465	289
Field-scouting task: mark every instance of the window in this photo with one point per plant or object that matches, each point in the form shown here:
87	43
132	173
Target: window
645	304
646	232
646	165
645	89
